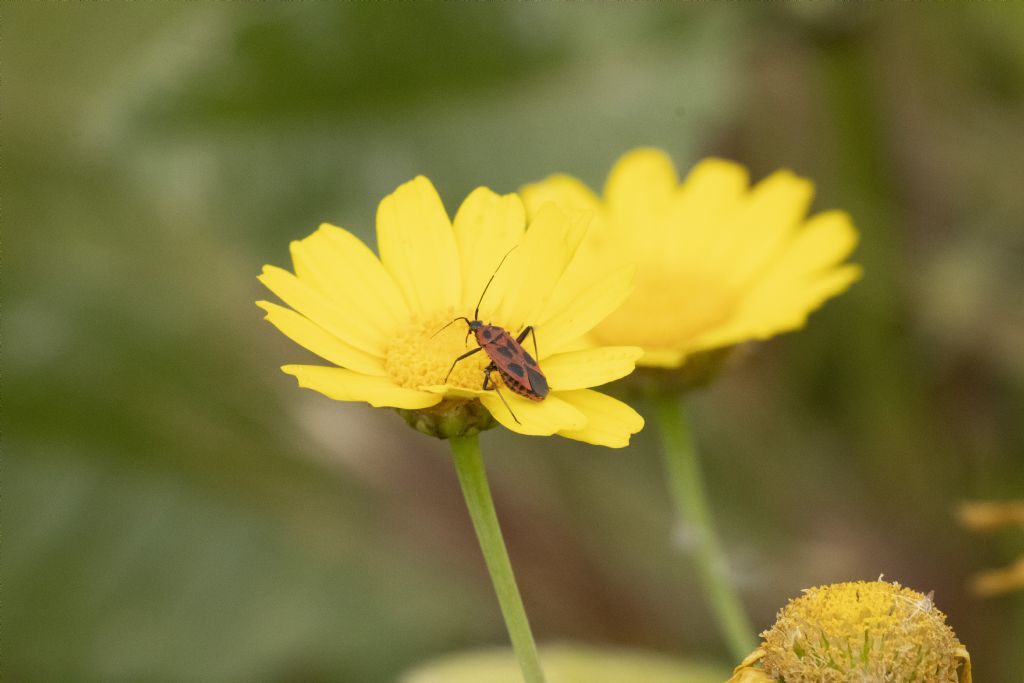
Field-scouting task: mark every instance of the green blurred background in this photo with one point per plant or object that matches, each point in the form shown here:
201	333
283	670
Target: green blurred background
174	509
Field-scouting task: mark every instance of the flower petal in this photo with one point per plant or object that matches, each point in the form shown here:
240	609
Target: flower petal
418	248
756	234
826	239
800	280
346	271
564	190
746	673
761	316
347	325
487	226
662	358
347	385
589	368
308	334
712	191
610	422
536	418
964	656
451	391
534	269
639	188
581	312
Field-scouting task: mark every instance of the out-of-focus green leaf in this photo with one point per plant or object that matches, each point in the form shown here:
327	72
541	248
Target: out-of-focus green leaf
114	573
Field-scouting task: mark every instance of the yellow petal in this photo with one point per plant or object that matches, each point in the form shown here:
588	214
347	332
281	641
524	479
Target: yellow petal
965	657
346	271
347	385
589	306
825	240
487	226
639	188
565	191
771	311
995	581
712	192
451	391
759	230
589	368
417	246
308	334
536	418
829	284
347	325
589	264
534	269
662	358
610	422
746	673
800	276
984	515
797	283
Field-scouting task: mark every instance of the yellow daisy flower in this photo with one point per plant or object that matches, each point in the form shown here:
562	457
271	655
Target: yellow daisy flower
719	262
859	631
381	321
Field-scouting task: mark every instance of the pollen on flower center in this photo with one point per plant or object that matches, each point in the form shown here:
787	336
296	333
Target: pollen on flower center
421	354
872	631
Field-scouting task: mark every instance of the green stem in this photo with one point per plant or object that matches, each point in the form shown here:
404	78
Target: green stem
688	494
470	468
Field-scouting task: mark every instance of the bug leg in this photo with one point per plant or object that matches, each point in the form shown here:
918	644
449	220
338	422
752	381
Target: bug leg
507	406
528	330
487	376
487	381
467	354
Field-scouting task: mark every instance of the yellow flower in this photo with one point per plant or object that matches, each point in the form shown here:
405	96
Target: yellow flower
860	631
990	516
380	320
719	262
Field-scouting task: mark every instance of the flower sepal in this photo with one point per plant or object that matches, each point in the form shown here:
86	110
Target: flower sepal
449	419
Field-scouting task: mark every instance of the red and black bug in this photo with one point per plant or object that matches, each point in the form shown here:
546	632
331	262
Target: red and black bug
517	368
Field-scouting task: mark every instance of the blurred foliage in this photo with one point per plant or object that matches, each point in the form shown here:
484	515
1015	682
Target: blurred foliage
174	509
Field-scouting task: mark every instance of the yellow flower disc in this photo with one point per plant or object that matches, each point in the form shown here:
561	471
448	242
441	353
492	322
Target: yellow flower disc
861	631
421	354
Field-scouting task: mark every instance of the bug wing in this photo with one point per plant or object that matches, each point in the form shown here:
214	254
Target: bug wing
538	382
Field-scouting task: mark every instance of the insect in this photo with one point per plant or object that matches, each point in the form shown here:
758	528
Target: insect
517	368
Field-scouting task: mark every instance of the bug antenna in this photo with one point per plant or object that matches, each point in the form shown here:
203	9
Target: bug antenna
476	313
461	317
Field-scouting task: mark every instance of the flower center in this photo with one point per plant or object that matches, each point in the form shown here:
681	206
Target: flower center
421	354
870	631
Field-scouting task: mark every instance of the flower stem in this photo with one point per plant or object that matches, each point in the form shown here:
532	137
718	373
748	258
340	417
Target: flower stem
686	486
470	469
